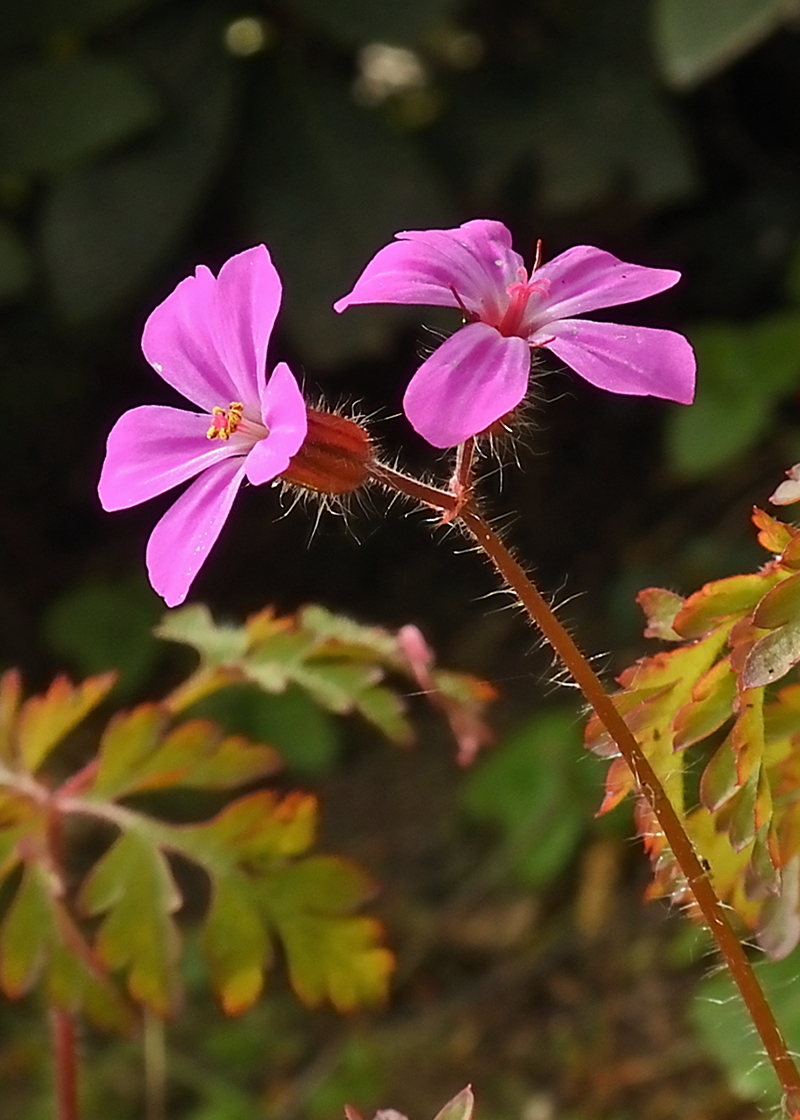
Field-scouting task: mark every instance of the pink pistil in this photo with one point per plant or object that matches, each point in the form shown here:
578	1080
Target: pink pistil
511	324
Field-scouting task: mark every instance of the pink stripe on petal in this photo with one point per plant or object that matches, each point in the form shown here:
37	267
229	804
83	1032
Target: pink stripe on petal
473	379
284	414
153	448
639	361
586	279
184	536
247	300
178	343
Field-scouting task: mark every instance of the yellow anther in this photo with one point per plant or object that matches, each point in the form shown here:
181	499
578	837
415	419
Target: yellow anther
224	421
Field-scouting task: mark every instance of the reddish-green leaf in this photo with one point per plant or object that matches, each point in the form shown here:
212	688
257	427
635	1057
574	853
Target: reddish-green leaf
718	600
10	697
257	828
773	535
45	720
719	780
710	705
780	605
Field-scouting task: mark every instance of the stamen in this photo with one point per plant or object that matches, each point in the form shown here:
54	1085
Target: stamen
225	421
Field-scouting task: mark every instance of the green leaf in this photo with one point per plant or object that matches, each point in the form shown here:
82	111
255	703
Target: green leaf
235	943
105	624
744	372
133	887
194	626
38	935
693	44
725	1028
25	934
16	264
330	956
57	113
106	227
532	787
45	720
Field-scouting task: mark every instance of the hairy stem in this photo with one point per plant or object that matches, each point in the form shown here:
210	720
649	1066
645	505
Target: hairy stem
65	1063
584	676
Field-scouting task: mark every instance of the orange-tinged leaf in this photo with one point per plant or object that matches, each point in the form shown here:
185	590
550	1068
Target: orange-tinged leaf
45	720
10	697
196	755
235	943
133	886
127	741
747	734
619	783
710	705
660	608
773	534
722	598
790	557
256	828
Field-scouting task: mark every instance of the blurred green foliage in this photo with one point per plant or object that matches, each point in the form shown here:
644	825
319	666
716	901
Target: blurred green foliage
541	788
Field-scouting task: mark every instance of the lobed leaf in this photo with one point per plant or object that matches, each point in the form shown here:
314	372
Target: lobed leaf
132	885
330	955
44	721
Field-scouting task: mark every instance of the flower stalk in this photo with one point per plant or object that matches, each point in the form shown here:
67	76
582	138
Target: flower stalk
459	508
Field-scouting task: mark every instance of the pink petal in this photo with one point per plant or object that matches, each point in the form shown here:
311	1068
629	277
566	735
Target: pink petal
635	360
585	279
182	539
153	448
427	266
284	413
473	379
208	339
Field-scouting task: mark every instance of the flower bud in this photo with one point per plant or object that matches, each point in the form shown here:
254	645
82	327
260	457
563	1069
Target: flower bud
335	456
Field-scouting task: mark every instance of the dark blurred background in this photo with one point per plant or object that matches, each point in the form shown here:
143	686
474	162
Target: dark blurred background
141	137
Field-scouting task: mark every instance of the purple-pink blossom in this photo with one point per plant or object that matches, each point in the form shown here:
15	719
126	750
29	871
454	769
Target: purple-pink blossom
208	340
481	372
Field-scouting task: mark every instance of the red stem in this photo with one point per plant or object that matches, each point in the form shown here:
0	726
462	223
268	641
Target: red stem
542	617
65	1063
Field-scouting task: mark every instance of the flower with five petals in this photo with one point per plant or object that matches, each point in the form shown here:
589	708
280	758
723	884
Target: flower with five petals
208	340
480	373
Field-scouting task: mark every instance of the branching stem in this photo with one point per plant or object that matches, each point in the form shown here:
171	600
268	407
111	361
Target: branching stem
540	614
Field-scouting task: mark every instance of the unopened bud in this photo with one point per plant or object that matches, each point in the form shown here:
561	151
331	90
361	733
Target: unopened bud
335	456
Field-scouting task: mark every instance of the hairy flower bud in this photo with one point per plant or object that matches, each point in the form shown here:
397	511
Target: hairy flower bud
335	456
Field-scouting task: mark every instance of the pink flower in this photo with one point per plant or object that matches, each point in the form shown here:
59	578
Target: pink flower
481	372
208	340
